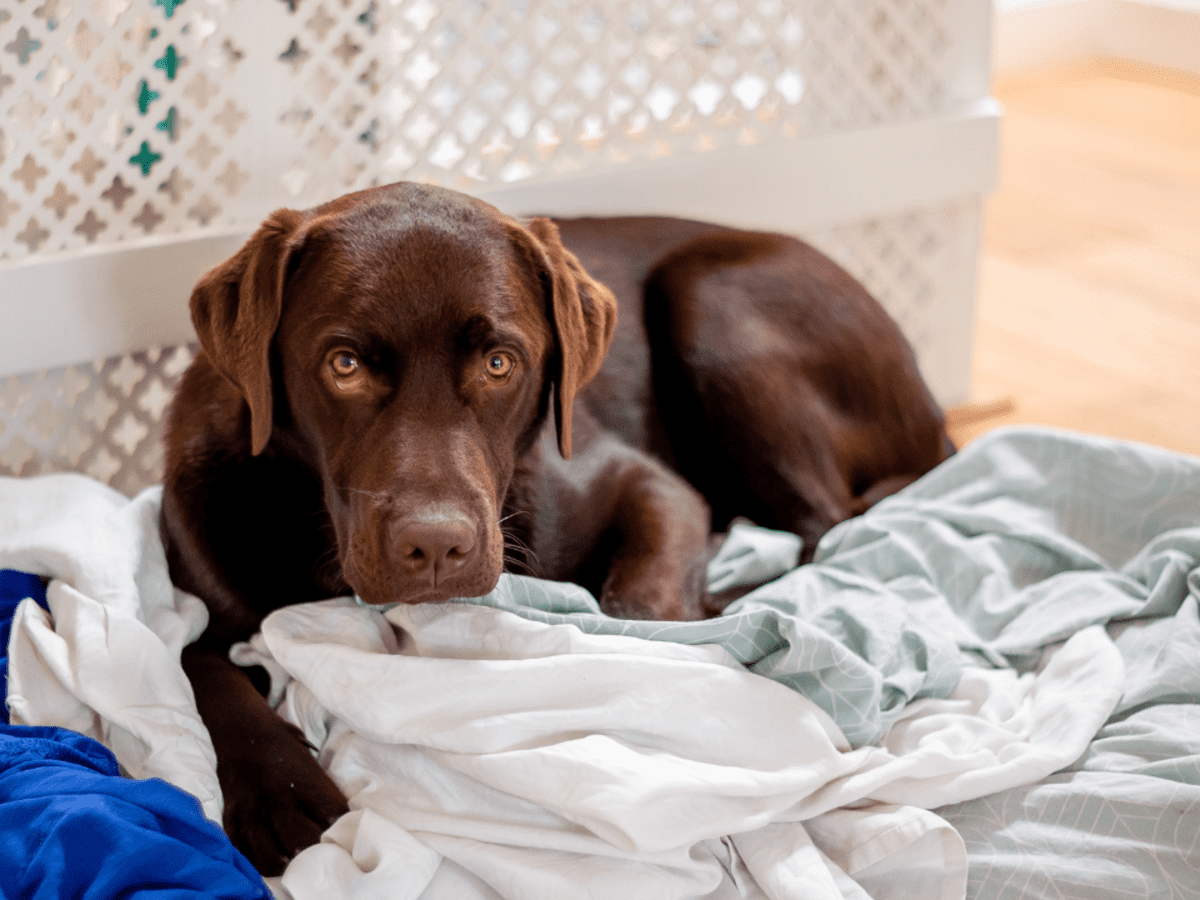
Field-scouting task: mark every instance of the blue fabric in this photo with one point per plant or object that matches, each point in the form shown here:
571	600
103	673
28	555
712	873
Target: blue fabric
14	587
72	826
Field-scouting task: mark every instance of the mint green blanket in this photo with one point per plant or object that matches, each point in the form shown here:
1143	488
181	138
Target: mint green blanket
1024	538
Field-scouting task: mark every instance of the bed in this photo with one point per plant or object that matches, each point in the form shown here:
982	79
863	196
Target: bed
988	686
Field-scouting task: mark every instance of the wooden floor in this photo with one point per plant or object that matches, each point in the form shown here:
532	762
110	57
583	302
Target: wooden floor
1089	304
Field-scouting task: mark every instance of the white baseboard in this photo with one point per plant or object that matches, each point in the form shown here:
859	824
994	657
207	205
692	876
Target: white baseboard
1046	33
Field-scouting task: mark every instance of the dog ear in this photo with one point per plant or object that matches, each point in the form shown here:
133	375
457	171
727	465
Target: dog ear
584	314
235	310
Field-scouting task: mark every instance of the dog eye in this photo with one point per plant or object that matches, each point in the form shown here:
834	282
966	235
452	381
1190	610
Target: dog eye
344	365
499	366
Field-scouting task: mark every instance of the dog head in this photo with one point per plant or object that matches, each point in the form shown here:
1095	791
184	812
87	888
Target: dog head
405	342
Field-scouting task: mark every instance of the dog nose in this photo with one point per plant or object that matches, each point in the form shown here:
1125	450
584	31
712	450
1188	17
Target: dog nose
435	548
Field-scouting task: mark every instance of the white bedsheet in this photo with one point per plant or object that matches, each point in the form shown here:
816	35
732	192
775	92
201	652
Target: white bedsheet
489	755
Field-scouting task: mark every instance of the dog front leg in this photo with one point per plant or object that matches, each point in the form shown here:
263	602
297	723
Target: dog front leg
278	800
658	566
624	526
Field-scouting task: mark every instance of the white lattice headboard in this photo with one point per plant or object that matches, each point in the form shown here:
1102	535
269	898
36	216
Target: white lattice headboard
142	140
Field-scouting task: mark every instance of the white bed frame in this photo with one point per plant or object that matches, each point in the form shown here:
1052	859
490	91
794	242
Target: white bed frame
895	195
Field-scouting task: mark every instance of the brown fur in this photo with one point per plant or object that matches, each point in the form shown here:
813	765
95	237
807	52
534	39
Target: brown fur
370	413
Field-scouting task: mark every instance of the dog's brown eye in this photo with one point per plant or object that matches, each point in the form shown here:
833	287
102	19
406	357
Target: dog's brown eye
344	365
499	365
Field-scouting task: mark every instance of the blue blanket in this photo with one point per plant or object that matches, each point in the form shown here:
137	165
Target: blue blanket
71	826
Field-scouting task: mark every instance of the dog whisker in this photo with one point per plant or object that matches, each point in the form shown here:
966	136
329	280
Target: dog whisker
518	554
518	566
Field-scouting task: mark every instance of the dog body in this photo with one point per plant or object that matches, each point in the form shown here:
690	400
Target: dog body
401	392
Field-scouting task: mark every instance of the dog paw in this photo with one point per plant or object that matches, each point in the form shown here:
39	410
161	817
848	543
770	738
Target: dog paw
278	803
664	595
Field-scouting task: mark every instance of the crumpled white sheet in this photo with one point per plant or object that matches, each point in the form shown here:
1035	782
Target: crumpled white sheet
547	762
486	755
106	662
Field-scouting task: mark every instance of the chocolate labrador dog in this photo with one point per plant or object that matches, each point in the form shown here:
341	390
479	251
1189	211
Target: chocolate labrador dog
403	392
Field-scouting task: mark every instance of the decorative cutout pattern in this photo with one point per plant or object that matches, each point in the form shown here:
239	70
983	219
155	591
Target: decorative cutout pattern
123	118
904	262
105	418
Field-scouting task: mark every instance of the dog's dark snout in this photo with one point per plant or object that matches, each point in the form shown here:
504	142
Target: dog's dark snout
434	547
